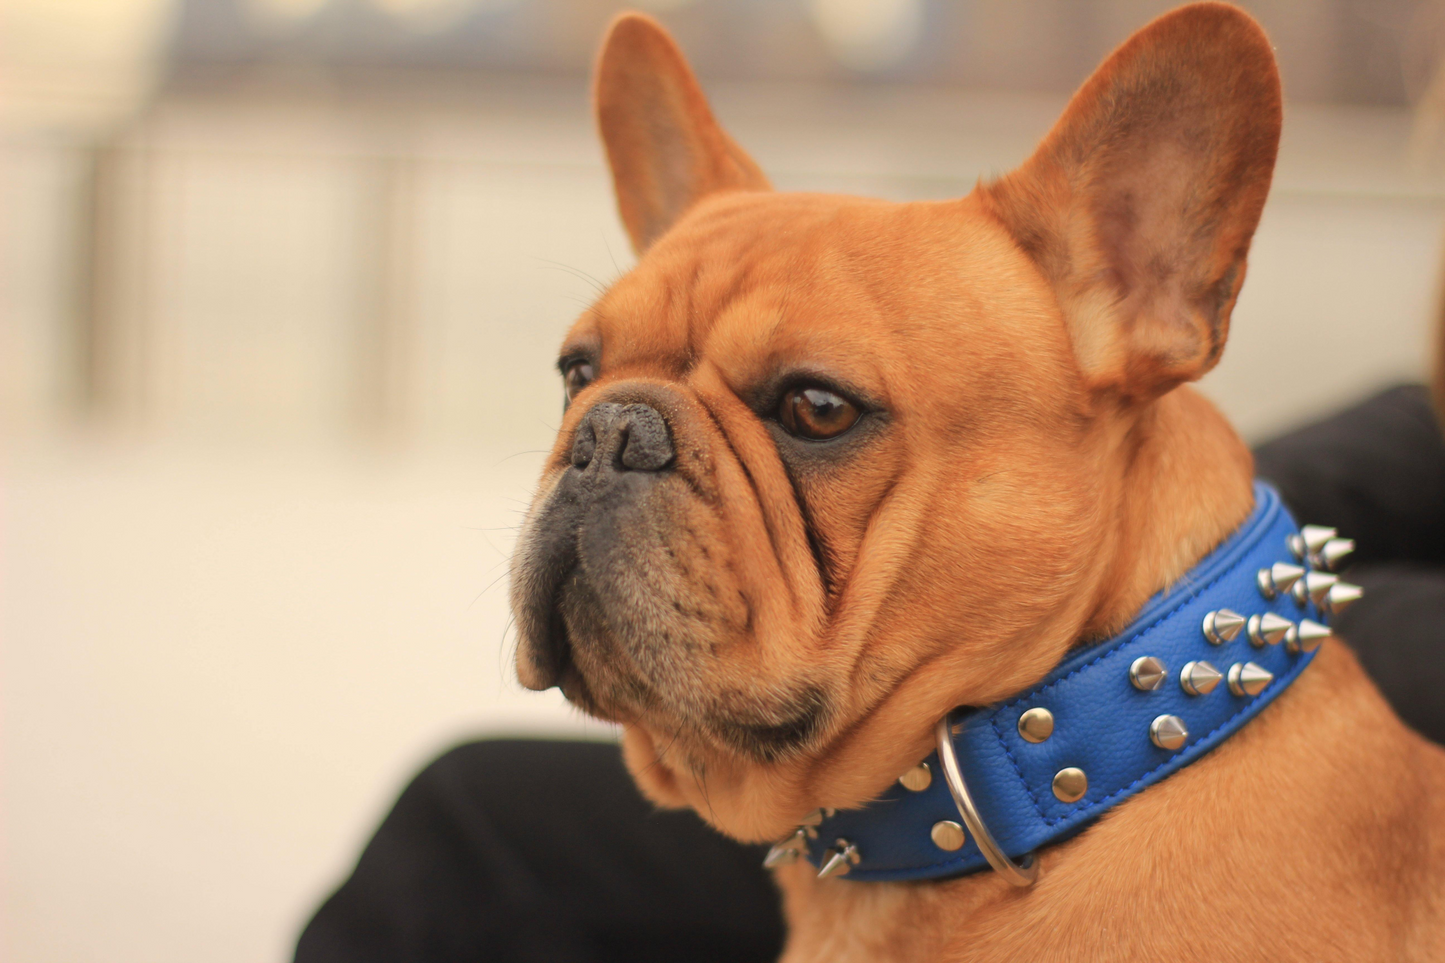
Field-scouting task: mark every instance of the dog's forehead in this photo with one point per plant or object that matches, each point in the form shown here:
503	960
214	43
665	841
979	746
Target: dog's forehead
862	290
744	273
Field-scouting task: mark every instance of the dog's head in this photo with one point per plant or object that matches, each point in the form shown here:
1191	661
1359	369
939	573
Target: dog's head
833	466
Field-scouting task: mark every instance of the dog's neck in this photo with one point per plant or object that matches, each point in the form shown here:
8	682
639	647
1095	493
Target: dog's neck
1185	485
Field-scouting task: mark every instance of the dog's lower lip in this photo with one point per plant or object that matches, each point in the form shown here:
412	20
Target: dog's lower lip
575	688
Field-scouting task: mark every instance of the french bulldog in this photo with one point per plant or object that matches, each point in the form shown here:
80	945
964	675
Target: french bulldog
831	467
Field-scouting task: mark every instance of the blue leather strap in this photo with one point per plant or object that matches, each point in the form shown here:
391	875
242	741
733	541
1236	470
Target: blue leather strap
1101	721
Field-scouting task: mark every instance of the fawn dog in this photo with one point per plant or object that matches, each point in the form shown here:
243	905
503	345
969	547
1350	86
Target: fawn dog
832	467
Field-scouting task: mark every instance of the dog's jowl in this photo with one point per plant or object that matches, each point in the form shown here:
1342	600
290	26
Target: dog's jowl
847	490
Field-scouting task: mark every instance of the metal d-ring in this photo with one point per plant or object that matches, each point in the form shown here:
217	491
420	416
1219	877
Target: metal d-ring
1022	873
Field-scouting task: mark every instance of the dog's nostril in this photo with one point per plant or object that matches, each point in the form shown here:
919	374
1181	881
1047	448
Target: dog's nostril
648	444
623	438
584	444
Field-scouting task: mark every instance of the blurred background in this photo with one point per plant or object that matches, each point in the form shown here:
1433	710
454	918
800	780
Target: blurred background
280	287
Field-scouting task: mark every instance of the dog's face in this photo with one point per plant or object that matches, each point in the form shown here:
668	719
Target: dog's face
833	466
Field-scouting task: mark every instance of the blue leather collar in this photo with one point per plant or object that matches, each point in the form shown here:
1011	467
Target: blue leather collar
1100	719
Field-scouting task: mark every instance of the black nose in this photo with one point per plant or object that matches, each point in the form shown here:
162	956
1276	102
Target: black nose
623	437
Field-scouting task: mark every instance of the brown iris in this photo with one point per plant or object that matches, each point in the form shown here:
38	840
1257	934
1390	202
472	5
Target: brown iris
578	375
816	413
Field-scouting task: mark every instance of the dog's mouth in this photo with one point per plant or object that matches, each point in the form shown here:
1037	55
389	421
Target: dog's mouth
567	675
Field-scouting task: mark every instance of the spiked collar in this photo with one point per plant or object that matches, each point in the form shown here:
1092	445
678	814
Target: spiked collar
1201	660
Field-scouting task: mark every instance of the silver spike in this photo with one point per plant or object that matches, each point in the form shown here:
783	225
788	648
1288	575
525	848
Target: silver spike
1247	678
841	857
1340	597
1332	553
1307	637
1222	626
1313	587
816	817
787	851
1277	578
1168	732
1296	545
1267	629
1147	673
1315	536
1199	678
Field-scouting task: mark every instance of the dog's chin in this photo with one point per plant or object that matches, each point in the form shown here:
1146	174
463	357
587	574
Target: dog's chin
574	687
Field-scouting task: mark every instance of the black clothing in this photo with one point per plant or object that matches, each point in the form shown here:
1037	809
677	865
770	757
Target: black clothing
531	850
1377	473
544	851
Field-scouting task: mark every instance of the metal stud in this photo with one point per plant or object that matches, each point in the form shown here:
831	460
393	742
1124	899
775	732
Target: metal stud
1247	678
1199	678
1315	536
1070	784
1267	629
1277	578
816	817
1168	732
1222	626
1307	637
787	851
1332	553
917	779
1340	597
948	835
1313	587
1147	673
1036	725
1296	545
841	857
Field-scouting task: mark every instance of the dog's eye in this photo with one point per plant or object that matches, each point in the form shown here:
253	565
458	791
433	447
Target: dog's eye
816	413
579	374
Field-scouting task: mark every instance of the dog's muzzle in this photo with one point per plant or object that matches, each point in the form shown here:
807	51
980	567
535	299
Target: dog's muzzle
618	452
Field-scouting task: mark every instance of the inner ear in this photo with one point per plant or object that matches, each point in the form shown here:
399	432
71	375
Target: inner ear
666	149
1139	206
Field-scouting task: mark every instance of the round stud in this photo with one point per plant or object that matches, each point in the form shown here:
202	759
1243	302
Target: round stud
1147	673
917	779
1222	626
1199	678
1247	678
1168	732
1036	725
948	835
1070	784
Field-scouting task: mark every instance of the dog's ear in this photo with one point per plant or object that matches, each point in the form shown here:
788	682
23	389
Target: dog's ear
664	145
1140	204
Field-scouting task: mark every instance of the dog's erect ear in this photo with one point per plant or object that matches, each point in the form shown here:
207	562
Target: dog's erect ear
666	149
1140	204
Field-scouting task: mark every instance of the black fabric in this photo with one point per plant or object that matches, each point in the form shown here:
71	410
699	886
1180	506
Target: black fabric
544	851
529	850
1377	473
